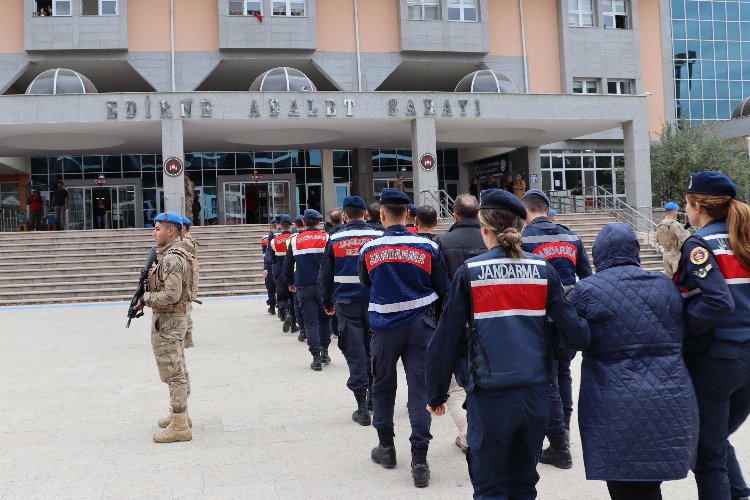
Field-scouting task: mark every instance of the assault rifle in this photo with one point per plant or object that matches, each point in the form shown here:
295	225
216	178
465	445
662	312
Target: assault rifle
132	313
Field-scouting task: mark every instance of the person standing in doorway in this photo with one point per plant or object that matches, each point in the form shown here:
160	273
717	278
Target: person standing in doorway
508	184
35	210
189	196
490	183
519	187
474	187
101	213
60	202
399	184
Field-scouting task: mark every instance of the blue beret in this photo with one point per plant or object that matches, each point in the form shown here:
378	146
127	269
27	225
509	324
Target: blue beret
537	193
500	198
672	206
272	221
312	215
298	218
277	219
285	219
170	217
412	209
552	213
186	221
393	196
711	183
354	202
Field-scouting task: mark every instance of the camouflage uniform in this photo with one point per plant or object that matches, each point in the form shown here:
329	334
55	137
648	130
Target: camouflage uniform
189	197
191	244
670	235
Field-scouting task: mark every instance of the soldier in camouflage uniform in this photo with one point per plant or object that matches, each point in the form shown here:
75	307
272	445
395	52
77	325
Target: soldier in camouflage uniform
670	235
168	295
189	196
191	244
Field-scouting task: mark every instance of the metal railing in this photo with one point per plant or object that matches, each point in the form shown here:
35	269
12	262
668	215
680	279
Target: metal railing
9	219
643	224
441	200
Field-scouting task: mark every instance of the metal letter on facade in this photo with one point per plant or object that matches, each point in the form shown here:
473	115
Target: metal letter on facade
165	109
294	109
148	107
349	107
186	108
330	107
111	110
477	111
206	108
274	104
311	111
392	107
463	103
447	111
130	109
429	107
254	109
410	109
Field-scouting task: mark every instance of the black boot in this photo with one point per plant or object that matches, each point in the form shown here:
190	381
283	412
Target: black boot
566	421
558	452
316	365
295	328
324	357
288	322
369	400
361	415
420	471
385	452
302	336
271	310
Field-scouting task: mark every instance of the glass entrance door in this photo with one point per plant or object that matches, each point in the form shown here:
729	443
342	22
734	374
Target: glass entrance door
79	211
101	207
255	202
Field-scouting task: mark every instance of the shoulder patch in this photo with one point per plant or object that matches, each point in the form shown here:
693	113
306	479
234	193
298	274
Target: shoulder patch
698	256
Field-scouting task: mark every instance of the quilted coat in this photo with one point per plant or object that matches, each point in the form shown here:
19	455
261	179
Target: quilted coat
637	411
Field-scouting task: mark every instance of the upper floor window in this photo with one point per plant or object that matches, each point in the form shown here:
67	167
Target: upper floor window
616	14
424	10
98	7
462	10
245	7
288	7
52	8
620	87
581	13
581	86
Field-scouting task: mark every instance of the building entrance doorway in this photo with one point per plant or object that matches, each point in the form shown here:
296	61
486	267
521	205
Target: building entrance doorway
101	207
255	202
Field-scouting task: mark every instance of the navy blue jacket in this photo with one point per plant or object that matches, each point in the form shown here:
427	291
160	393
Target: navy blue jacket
339	276
637	411
302	261
560	246
516	346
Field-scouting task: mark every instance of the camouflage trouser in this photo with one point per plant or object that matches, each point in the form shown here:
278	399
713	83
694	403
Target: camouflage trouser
167	336
189	332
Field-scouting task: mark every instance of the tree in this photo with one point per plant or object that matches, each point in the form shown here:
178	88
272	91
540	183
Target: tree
683	150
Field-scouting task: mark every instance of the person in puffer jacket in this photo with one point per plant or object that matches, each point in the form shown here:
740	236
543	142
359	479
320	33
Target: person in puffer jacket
637	410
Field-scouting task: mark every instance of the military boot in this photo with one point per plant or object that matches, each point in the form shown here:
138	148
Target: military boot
288	322
324	357
302	335
164	422
566	421
385	452
369	400
317	364
177	430
361	415
295	328
558	452
271	310
420	470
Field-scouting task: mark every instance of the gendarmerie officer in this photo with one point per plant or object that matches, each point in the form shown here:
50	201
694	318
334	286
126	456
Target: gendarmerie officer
406	275
299	226
279	246
714	278
503	296
410	221
562	248
301	269
267	265
339	281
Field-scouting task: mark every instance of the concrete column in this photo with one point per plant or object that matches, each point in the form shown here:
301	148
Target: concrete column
465	174
637	165
423	141
534	161
171	147
329	190
362	174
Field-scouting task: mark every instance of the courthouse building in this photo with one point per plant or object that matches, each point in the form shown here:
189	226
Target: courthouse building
274	106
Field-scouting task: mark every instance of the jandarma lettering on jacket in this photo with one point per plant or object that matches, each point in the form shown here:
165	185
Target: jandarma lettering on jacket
508	271
395	254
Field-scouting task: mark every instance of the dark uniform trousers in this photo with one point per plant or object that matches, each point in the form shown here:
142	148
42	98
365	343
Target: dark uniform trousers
317	322
283	295
297	312
271	288
353	327
505	423
721	376
408	342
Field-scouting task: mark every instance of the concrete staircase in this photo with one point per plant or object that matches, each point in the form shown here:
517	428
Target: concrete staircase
103	265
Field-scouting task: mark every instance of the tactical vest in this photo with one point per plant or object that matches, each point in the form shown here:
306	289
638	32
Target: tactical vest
192	247
307	248
156	279
345	245
508	344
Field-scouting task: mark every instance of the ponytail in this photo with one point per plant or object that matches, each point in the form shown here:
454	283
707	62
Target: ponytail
507	228
738	221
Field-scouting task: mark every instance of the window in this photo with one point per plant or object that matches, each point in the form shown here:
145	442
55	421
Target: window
9	195
99	7
462	10
246	7
424	10
585	86
52	8
581	13
616	14
620	87
288	8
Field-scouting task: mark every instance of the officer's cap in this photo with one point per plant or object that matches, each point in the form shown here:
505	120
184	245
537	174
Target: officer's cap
187	222
354	202
711	183
277	219
500	198
285	219
312	215
170	217
391	196
298	218
537	193
552	213
672	206
412	210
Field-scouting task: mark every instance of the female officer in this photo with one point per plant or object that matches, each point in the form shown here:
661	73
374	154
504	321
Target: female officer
504	295
714	278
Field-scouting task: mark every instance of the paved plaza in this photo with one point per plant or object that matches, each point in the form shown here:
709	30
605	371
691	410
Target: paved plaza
80	397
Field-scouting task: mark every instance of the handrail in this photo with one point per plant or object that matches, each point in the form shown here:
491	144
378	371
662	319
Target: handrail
642	224
442	202
9	219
